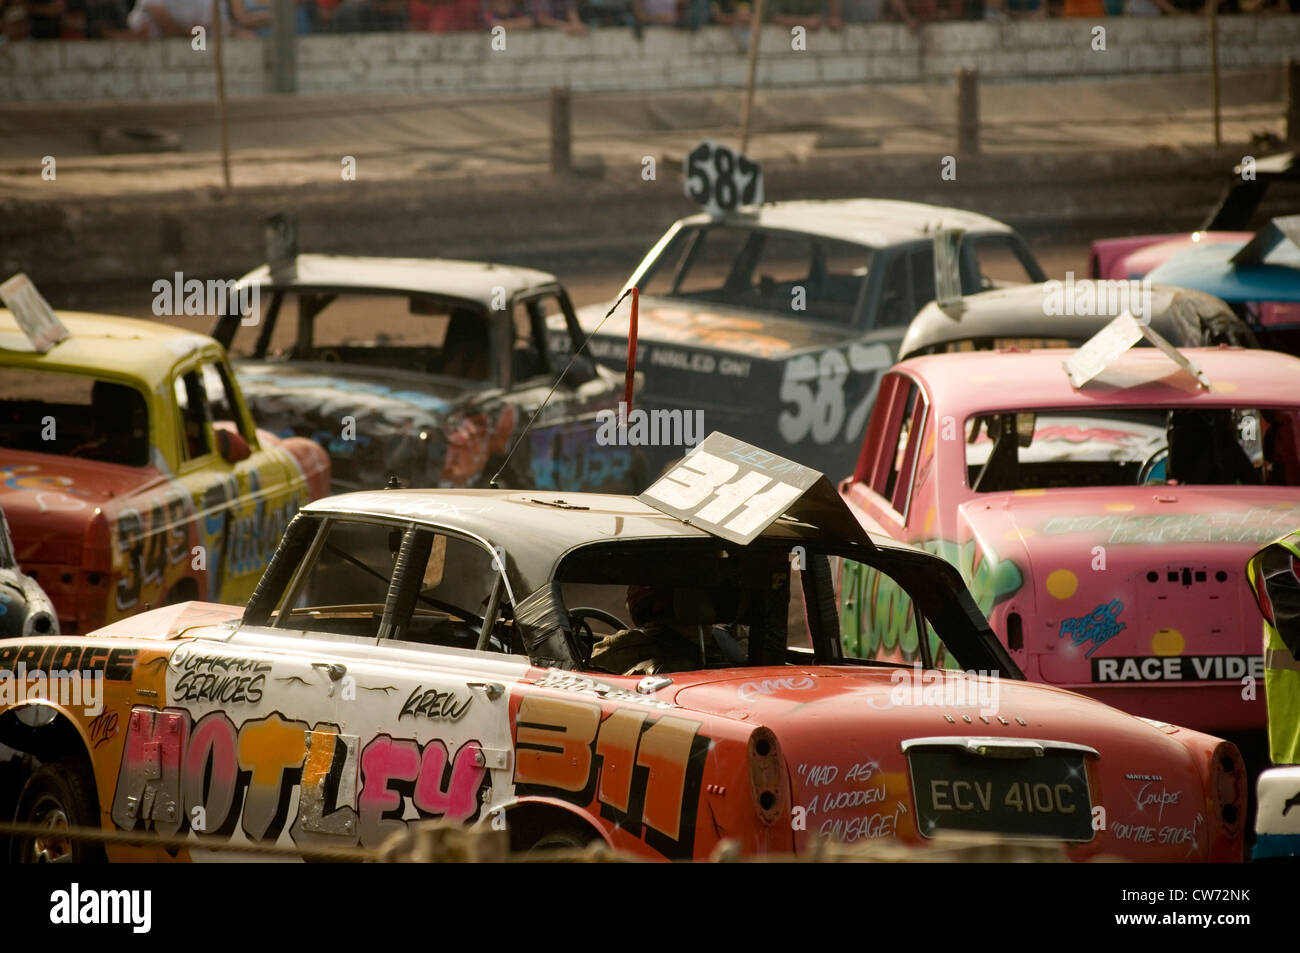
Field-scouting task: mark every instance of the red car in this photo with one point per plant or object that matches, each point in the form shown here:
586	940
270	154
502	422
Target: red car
132	473
416	654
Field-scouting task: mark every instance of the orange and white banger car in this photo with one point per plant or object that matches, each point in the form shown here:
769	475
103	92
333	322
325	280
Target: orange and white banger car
661	673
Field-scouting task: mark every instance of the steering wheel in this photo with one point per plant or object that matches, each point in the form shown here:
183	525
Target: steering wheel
580	614
1153	461
578	617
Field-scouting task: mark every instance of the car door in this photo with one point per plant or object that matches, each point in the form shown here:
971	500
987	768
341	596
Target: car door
169	533
429	708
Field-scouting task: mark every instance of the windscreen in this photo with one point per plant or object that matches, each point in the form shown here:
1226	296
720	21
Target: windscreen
792	274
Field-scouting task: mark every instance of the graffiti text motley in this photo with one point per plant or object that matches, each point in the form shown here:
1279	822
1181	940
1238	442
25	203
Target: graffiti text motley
175	771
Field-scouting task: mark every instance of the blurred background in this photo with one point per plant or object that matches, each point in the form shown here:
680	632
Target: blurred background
137	141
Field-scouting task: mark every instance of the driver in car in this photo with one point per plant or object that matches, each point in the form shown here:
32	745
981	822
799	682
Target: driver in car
659	641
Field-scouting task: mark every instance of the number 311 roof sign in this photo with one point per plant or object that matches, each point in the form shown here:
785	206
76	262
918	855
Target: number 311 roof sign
721	180
735	490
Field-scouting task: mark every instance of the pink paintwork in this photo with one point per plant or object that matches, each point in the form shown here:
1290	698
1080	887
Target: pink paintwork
1080	580
1125	258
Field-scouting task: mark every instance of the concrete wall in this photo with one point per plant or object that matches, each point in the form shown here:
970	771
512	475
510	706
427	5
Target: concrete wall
613	59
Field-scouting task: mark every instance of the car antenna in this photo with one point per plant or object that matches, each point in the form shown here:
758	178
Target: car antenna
632	290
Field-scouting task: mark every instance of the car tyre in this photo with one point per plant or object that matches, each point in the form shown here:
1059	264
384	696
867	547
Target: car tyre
58	796
562	837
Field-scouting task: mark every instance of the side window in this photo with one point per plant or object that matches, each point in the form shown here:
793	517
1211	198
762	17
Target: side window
192	404
895	308
344	589
528	352
879	620
921	262
221	401
893	439
998	262
905	454
452	594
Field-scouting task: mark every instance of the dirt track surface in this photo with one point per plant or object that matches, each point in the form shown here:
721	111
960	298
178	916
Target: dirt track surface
283	141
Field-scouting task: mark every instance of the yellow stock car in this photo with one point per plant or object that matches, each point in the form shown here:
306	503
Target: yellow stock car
132	473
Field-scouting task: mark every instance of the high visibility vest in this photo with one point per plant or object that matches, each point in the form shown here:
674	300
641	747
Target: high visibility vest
1274	574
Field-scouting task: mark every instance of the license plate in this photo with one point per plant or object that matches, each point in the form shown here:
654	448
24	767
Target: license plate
1045	796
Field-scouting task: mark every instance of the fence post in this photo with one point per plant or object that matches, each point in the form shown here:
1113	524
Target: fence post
561	131
284	46
968	111
1292	102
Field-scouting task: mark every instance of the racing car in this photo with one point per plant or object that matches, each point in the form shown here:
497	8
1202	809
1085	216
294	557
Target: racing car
1274	177
1223	256
662	674
1032	316
1102	527
426	370
788	312
132	473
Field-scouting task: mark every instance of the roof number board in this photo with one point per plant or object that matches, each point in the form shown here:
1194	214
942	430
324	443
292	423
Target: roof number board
729	488
1112	341
33	313
722	180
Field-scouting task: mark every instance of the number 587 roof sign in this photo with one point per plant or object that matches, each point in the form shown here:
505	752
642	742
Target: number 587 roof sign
722	180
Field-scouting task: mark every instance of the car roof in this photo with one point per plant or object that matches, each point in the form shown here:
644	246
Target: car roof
874	222
476	281
975	380
1019	311
1211	267
537	527
108	344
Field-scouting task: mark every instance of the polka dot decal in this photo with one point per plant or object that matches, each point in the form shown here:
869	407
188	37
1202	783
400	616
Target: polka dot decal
1062	584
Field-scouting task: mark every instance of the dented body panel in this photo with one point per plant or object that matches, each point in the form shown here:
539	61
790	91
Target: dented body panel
223	723
1135	594
109	531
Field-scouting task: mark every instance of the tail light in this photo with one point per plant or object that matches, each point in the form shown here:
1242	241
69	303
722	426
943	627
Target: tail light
1228	788
767	779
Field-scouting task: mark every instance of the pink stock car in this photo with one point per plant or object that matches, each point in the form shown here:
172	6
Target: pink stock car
1104	530
1230	221
1276	177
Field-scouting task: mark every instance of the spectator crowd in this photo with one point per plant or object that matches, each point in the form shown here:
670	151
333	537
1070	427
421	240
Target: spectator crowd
144	19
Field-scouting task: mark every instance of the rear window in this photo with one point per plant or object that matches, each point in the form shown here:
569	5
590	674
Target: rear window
1150	446
73	415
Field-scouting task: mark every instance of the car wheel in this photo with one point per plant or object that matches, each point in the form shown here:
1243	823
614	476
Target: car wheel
562	838
57	798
